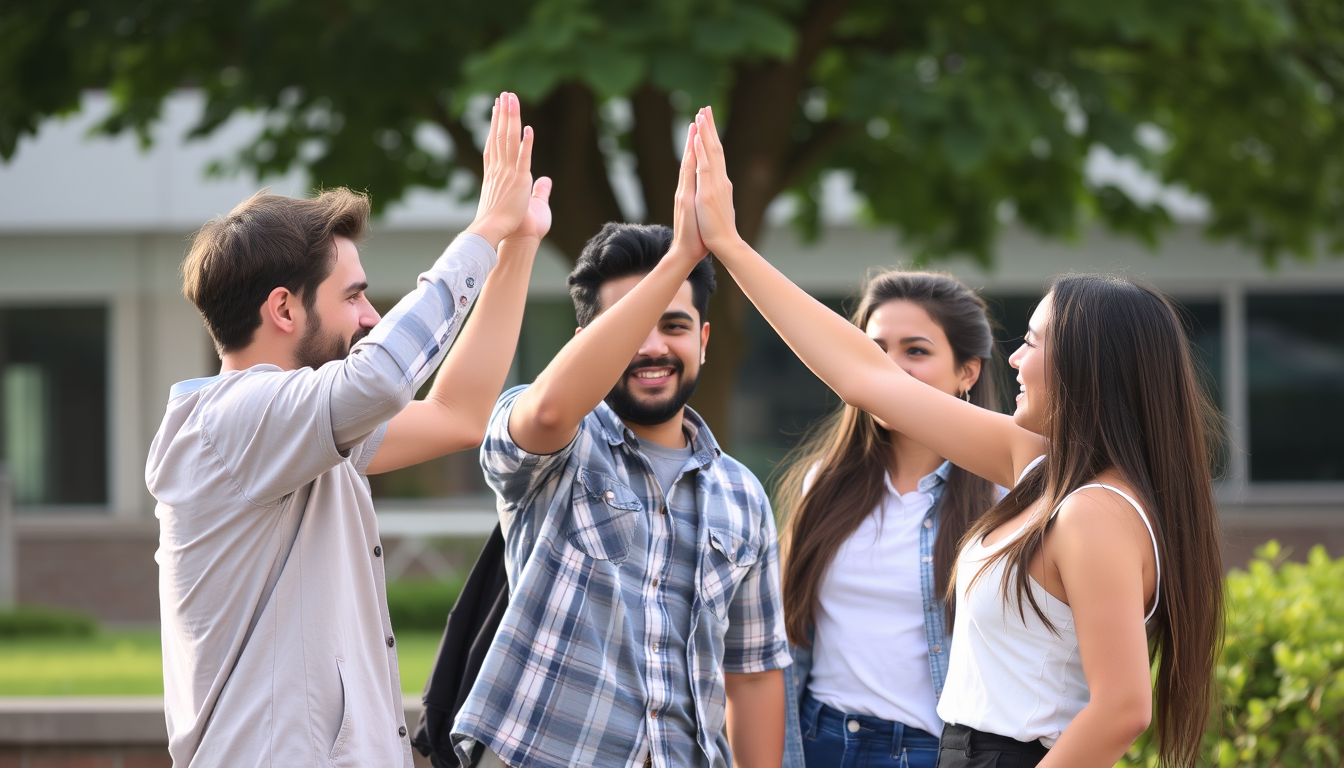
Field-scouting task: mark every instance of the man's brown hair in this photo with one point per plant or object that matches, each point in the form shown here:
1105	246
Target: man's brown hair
266	242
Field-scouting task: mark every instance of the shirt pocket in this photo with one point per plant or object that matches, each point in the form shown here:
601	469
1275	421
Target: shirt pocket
602	521
723	564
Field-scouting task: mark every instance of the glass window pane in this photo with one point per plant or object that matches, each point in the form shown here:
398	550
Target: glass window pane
53	373
1295	377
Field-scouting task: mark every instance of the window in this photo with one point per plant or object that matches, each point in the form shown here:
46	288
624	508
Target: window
1295	380
53	386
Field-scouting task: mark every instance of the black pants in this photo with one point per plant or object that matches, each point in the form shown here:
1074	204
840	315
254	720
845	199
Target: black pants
962	747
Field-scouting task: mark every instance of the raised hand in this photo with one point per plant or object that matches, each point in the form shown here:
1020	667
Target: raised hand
713	191
686	240
506	186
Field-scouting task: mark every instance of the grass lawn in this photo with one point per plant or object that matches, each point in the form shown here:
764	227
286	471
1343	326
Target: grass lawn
126	663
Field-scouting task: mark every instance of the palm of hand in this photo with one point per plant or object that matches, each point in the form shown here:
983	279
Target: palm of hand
537	221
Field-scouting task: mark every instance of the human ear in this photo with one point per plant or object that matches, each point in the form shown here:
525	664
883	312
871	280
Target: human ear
970	373
281	310
704	341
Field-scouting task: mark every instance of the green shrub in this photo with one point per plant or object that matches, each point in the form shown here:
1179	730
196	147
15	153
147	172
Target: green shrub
1281	675
41	621
422	605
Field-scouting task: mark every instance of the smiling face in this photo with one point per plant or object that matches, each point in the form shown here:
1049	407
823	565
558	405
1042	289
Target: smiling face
910	337
1029	360
663	373
341	314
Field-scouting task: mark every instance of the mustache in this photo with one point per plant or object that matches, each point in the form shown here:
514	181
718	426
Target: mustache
659	362
359	336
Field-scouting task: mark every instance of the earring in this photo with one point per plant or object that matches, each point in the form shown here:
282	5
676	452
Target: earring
966	395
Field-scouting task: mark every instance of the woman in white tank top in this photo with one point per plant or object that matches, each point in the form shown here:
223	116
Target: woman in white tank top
1109	396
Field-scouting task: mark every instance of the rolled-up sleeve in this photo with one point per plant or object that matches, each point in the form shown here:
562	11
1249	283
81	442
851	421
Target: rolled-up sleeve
511	472
756	640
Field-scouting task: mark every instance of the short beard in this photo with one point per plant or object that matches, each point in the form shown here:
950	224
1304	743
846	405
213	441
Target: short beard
650	414
316	349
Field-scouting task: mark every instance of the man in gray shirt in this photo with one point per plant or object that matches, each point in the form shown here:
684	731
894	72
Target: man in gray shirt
277	647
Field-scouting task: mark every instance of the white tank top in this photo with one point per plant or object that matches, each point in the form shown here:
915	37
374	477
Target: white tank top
1009	674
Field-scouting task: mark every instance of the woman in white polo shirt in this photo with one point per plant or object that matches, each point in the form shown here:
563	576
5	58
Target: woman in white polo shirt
873	520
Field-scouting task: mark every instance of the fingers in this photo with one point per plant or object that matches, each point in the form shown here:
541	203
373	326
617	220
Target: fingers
524	161
702	161
686	178
488	151
542	189
512	137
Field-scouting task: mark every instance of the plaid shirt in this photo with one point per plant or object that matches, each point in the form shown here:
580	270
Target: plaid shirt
566	681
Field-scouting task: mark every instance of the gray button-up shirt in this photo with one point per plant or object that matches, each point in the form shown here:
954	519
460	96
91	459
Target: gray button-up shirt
277	648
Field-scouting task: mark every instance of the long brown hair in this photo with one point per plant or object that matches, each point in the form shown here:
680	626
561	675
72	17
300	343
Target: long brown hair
1122	393
851	453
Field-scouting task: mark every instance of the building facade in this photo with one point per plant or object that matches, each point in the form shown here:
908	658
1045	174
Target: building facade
94	331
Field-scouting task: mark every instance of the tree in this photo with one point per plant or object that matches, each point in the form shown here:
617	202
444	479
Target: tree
953	117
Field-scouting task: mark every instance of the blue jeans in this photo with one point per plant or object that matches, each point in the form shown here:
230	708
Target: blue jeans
830	741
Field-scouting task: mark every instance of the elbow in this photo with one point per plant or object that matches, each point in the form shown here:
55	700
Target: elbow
1133	716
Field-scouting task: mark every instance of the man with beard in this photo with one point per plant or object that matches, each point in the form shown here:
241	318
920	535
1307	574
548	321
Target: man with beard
644	606
277	647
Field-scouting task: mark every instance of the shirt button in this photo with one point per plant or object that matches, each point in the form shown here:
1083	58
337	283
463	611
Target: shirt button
928	523
462	301
402	731
653	715
471	282
656	581
926	559
655	647
937	649
853	726
391	641
610	495
377	551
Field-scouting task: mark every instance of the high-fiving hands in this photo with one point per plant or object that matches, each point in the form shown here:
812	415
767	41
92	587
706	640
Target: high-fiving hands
714	216
507	192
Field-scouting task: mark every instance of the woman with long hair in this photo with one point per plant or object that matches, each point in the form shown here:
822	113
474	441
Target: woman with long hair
873	520
1105	552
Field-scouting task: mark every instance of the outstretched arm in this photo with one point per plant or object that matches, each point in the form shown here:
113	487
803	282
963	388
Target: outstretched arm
547	415
454	415
989	444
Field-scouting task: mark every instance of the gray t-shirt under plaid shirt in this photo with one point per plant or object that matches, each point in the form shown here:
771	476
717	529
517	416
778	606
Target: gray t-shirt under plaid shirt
573	676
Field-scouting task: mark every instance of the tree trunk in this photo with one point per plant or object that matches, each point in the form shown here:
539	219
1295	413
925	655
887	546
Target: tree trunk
758	144
568	152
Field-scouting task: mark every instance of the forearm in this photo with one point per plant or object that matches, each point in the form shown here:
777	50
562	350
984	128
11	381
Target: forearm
383	371
589	365
839	353
755	718
1097	738
472	376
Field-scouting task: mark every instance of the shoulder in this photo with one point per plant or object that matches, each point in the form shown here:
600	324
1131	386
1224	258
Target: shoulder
1096	519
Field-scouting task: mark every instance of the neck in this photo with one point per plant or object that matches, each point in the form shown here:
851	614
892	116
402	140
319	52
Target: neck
254	355
910	462
668	434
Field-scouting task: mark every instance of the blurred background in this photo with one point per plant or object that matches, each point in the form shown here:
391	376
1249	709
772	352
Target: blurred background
1197	145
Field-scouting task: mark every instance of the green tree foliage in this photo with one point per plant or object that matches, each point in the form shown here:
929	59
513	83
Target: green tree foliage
953	116
1281	675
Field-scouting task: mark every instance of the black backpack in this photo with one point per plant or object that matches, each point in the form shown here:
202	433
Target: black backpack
471	627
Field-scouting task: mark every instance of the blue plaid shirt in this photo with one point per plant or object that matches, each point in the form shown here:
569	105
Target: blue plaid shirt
571	678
